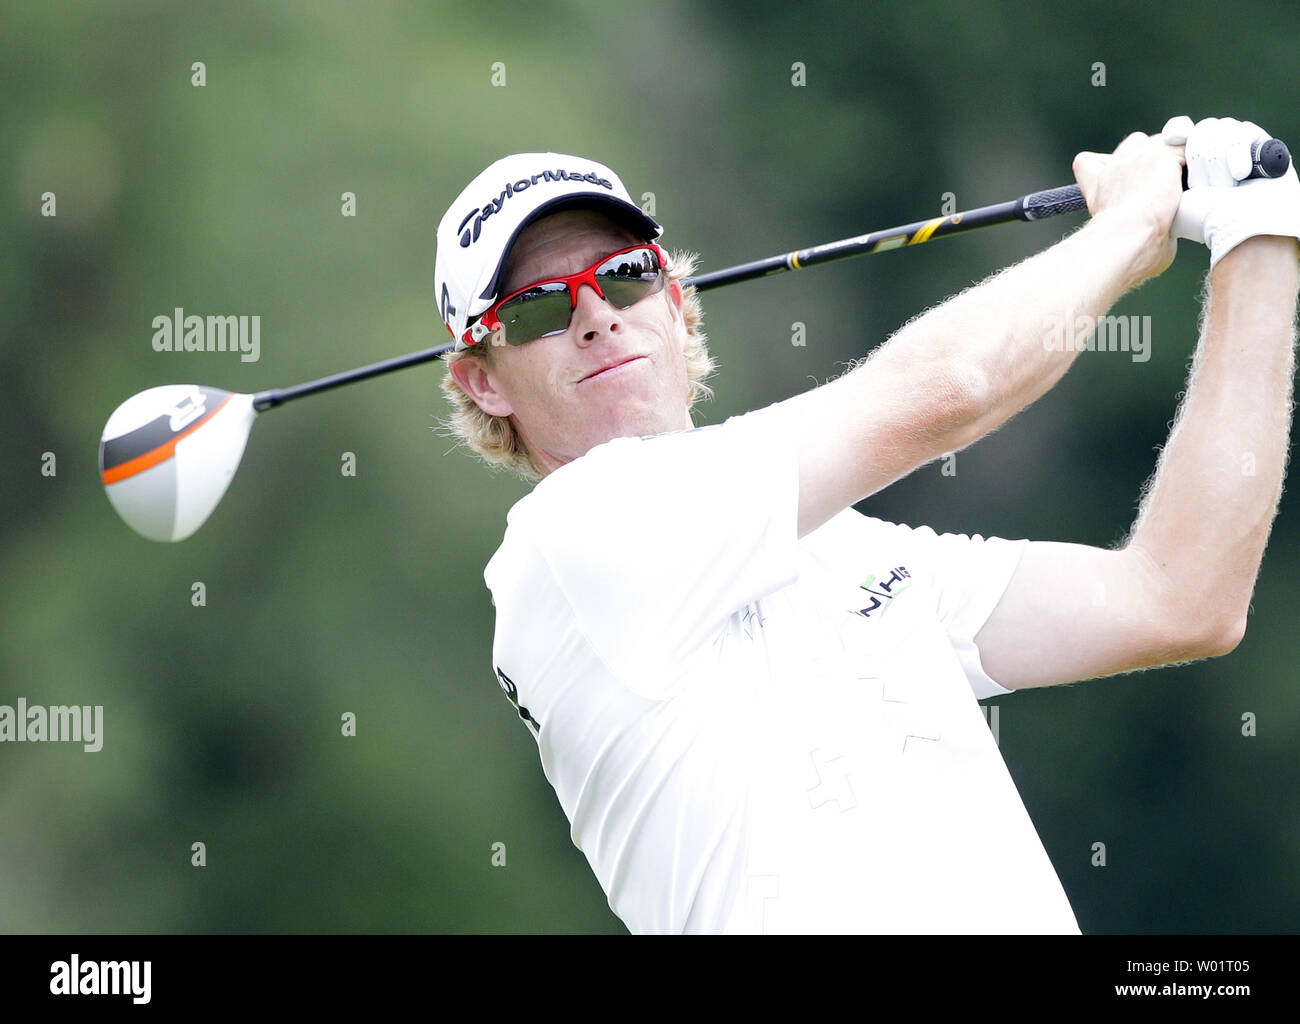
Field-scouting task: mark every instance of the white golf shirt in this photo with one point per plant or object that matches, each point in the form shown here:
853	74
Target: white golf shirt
752	732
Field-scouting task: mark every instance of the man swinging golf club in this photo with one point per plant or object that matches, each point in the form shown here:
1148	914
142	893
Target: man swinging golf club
756	705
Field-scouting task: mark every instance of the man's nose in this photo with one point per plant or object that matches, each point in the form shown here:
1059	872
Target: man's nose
593	316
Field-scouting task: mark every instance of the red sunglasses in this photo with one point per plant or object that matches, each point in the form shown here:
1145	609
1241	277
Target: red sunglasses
545	308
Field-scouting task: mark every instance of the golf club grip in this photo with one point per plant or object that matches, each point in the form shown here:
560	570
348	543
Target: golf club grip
1269	159
1052	201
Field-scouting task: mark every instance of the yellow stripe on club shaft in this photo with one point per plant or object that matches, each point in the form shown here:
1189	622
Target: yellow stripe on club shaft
924	234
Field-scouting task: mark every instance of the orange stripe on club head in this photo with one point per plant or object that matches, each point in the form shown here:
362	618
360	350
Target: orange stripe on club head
160	454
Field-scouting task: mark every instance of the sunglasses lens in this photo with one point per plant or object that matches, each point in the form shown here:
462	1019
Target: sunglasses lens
625	278
536	313
630	276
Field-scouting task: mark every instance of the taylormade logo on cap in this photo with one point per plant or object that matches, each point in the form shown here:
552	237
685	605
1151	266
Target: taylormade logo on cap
478	229
470	235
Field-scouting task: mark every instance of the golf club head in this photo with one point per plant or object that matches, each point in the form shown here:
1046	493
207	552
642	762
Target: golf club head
168	454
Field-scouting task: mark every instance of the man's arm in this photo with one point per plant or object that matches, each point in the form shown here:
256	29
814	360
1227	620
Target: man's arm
953	375
1181	587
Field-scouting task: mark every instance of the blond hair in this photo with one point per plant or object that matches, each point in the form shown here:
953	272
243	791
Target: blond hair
494	439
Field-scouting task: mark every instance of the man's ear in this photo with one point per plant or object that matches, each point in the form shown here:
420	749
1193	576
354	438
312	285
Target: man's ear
478	382
673	291
675	296
675	299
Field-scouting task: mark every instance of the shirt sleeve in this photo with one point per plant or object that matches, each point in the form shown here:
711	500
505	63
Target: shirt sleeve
656	541
965	575
970	574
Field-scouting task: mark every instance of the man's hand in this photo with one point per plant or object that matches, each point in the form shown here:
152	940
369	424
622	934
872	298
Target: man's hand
1222	207
1139	186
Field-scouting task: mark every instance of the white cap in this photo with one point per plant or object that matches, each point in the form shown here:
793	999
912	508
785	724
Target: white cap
481	225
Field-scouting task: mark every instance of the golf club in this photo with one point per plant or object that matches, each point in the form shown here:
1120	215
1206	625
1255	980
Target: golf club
167	454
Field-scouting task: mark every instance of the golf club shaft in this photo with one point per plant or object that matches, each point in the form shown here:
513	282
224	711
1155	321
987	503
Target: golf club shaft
1035	206
1272	160
278	396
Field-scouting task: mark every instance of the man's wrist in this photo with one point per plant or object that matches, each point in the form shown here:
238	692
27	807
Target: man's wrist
1253	292
1128	244
1261	254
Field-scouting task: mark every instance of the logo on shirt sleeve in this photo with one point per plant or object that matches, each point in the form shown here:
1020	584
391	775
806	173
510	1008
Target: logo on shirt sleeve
884	591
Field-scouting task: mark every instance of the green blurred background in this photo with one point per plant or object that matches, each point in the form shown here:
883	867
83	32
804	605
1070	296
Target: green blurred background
328	594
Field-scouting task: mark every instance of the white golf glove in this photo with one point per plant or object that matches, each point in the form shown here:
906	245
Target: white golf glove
1222	207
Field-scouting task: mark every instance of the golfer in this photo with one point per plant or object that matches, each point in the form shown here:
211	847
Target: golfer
756	705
